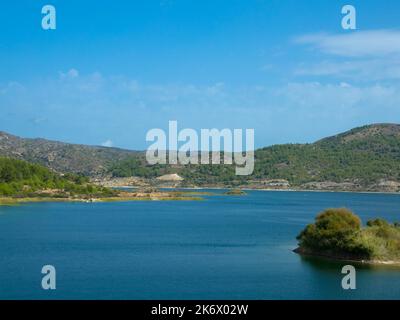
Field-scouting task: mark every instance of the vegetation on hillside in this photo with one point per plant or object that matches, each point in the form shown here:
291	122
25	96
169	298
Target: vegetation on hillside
60	156
235	192
137	167
338	233
21	179
363	156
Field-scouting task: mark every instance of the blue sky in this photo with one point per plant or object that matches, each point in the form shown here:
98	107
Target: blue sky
112	70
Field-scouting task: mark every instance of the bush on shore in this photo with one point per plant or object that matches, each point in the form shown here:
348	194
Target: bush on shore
339	233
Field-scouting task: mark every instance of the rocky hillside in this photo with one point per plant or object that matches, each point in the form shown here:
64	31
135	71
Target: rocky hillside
365	158
62	157
365	134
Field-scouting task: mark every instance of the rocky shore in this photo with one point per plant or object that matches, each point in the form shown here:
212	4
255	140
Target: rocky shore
175	181
139	195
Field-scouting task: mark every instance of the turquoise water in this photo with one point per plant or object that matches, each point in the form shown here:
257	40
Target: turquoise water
222	248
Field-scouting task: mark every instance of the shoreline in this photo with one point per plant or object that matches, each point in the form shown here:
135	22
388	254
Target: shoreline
391	263
194	196
266	189
8	201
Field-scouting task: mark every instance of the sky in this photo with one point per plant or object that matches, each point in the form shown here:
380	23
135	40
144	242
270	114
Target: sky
113	70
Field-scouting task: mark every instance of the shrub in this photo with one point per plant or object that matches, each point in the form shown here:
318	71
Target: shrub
377	222
335	232
338	233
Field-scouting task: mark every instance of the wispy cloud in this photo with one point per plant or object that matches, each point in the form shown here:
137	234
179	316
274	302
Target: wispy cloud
70	74
362	69
89	107
355	44
108	143
364	56
11	86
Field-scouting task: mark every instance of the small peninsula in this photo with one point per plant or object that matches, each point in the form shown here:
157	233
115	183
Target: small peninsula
339	235
235	192
22	182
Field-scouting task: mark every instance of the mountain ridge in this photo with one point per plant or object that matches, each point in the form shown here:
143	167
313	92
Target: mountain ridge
388	129
61	156
365	158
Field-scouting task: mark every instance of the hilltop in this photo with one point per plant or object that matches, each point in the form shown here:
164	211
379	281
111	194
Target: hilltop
365	133
362	159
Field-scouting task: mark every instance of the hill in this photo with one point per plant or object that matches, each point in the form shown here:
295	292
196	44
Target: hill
19	178
362	158
365	158
62	157
22	182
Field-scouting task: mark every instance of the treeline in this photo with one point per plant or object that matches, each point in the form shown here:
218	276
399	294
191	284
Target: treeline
20	178
364	161
136	166
193	174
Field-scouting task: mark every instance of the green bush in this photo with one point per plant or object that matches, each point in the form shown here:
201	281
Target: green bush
338	233
334	232
377	222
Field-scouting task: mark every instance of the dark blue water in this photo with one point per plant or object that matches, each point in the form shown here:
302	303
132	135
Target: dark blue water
222	248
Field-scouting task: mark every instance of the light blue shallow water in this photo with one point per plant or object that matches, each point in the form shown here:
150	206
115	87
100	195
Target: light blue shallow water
222	248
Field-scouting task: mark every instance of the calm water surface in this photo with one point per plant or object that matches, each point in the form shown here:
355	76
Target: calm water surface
222	248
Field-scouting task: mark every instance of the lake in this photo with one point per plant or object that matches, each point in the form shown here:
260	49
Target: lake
224	247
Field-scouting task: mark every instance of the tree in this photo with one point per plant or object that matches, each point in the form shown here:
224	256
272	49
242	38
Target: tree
334	232
377	223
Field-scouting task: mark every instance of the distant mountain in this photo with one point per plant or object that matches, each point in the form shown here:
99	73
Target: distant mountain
365	158
365	133
62	157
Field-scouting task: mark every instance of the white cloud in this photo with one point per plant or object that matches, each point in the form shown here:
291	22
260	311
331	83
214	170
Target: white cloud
215	89
11	86
344	85
355	44
361	69
360	55
39	120
70	74
108	143
120	101
340	99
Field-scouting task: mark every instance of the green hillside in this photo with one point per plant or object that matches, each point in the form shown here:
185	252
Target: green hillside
365	155
364	158
21	179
